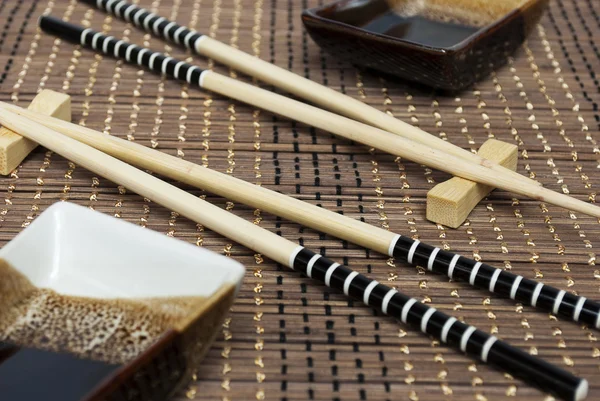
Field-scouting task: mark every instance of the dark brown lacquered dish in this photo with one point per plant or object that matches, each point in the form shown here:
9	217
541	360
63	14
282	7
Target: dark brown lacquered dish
446	44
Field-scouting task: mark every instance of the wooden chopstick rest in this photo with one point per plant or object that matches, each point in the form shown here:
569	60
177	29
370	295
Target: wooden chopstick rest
13	147
450	202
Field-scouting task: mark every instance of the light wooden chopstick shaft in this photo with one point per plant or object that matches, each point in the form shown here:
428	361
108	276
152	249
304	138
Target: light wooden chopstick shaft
221	184
287	80
341	126
188	205
390	143
478	274
447	329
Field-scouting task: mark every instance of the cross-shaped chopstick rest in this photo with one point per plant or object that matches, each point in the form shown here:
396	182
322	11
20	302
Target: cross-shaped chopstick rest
450	202
13	147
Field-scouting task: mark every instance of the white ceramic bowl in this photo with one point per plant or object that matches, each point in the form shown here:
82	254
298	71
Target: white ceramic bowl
79	252
76	251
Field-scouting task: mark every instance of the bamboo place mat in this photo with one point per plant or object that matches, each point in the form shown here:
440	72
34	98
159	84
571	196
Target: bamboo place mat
289	338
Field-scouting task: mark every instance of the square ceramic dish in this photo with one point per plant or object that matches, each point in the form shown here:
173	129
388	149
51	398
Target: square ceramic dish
79	252
446	44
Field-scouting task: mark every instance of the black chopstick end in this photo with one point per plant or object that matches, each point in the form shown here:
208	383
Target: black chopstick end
58	27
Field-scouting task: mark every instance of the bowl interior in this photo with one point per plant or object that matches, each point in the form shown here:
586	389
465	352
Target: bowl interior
75	251
432	23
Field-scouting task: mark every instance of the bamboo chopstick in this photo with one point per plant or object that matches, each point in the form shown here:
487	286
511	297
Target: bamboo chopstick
447	329
414	252
484	173
279	77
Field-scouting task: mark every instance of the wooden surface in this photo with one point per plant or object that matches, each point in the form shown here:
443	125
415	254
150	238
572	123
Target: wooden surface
450	202
287	338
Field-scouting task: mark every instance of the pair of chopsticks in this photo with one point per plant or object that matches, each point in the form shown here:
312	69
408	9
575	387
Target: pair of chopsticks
73	142
405	141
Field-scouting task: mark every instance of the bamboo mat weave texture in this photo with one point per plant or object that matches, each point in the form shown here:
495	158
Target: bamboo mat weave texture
288	338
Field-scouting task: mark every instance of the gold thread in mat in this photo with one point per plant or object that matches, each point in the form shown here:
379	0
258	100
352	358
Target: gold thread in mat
442	134
88	92
546	148
159	101
76	54
443	373
135	111
520	222
439	124
55	47
116	80
33	47
531	118
258	270
206	114
498	234
12	186
112	100
556	331
181	138
69	76
48	155
376	179
493	220
231	129
567	90
227	335
137	93
438	357
562	132
412	223
384	221
551	103
476	380
484	115
510	122
206	131
160	98
584	128
191	390
183	107
578	168
423	283
135	108
94	193
459	111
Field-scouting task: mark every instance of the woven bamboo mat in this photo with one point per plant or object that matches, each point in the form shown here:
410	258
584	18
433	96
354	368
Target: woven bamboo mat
288	338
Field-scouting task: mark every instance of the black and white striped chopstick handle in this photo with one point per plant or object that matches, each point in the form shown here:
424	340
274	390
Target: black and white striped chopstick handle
148	21
439	325
133	54
498	281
